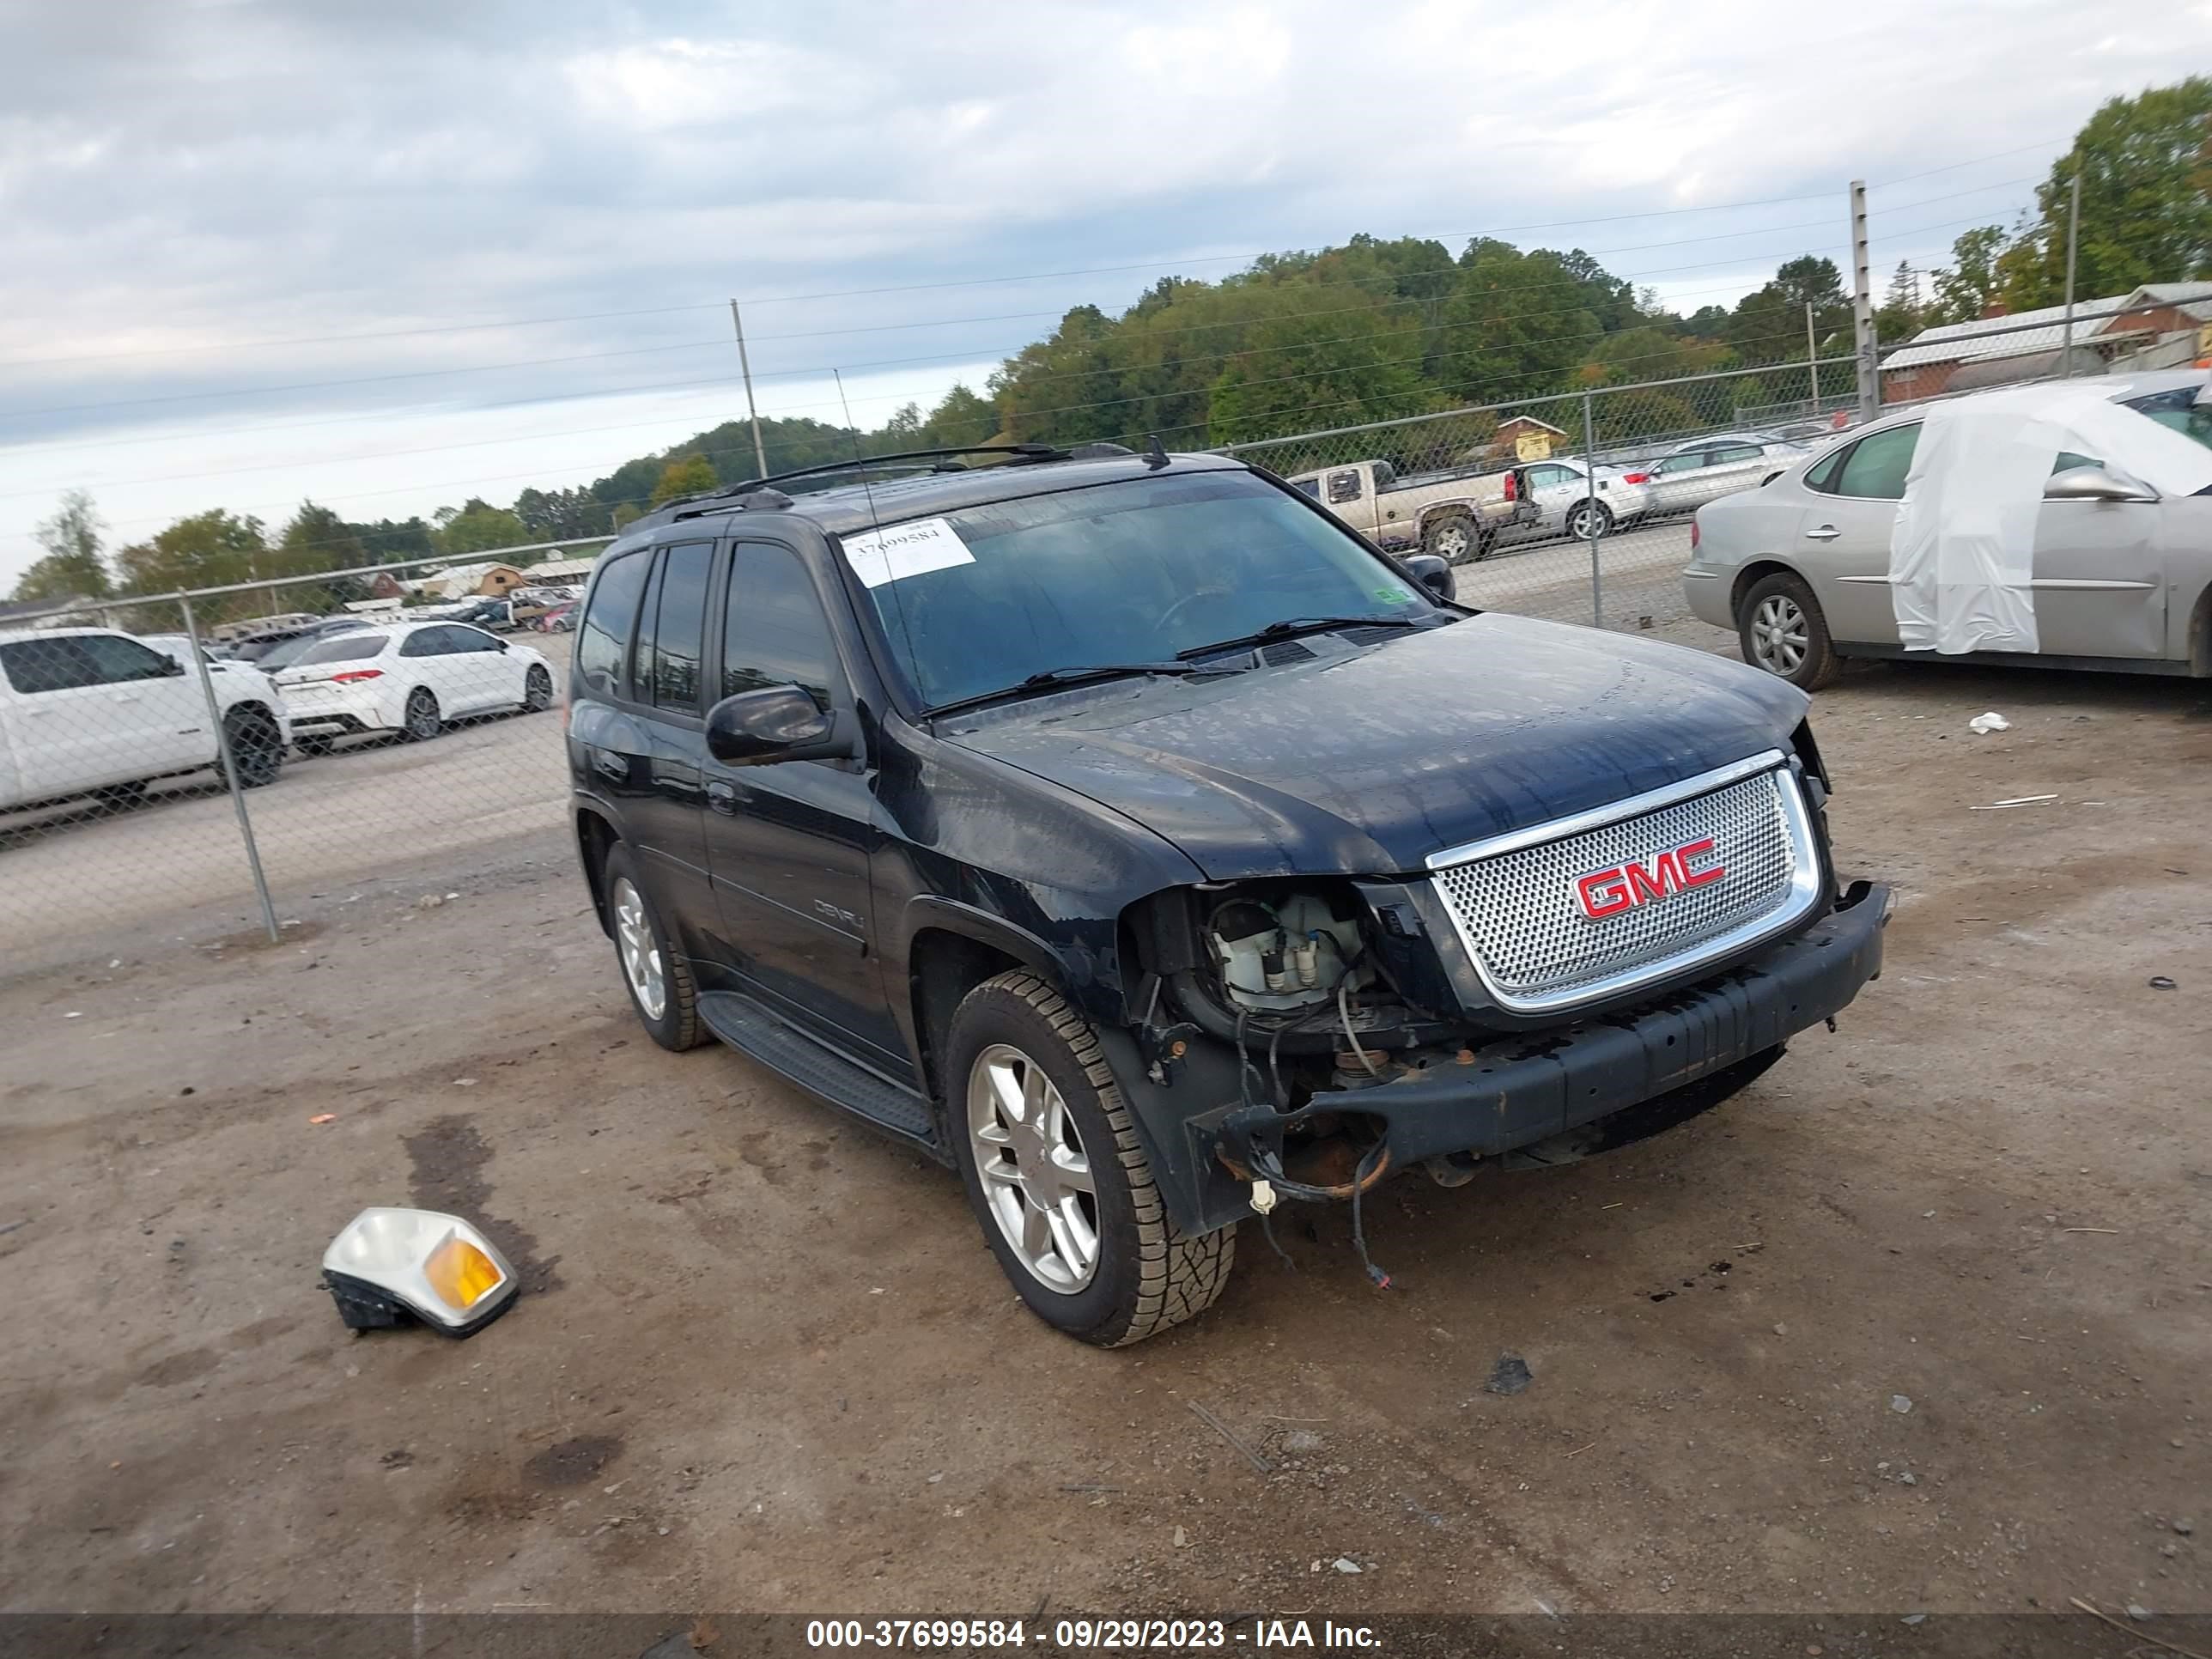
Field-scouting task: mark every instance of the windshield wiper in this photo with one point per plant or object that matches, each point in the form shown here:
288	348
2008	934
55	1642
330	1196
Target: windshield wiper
1289	626
1074	675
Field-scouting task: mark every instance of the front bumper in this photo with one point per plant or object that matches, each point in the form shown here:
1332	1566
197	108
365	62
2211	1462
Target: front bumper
1528	1088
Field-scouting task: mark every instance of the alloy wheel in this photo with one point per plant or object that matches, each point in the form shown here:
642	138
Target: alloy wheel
1036	1177
1779	637
640	954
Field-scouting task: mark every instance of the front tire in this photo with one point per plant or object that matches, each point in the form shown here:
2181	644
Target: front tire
1783	630
257	747
1057	1175
661	989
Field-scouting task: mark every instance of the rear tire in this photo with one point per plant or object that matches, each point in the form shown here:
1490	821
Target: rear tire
421	721
658	979
257	747
1577	520
1782	630
1453	538
1057	1175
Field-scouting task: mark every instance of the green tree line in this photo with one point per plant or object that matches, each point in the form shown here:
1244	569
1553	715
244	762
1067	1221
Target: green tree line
1373	330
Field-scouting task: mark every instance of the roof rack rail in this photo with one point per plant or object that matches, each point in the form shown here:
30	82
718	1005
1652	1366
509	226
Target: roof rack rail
1013	452
761	493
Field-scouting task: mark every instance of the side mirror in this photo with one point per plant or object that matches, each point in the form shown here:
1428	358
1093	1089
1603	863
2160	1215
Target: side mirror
777	723
499	644
1432	572
176	667
2096	484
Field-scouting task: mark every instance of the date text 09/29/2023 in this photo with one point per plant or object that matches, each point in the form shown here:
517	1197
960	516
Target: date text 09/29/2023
1087	1635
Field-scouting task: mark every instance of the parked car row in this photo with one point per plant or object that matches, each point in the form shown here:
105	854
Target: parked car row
96	711
2066	524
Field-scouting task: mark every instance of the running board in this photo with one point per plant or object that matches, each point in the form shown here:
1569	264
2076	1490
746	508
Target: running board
759	1034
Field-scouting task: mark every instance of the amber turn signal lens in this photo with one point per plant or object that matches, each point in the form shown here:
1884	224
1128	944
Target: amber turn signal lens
461	1273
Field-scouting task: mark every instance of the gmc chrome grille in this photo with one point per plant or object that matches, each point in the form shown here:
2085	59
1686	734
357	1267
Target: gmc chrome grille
1516	901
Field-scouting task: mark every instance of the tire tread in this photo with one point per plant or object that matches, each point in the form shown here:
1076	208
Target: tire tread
1179	1275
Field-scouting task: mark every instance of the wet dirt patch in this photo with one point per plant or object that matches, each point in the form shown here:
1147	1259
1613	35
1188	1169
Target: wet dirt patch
572	1462
448	1159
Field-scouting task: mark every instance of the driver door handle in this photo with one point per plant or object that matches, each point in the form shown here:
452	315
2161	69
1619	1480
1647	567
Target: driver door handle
722	797
1825	533
608	764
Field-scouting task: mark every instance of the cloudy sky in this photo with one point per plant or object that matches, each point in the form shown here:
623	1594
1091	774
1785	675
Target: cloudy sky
391	256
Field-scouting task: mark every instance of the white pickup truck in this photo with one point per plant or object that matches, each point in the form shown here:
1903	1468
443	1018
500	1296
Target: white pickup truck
1455	519
89	711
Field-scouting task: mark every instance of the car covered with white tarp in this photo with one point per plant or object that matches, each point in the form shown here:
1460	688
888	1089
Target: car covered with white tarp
2070	521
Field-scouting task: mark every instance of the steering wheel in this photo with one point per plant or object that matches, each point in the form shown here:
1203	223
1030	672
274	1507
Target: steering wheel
1169	617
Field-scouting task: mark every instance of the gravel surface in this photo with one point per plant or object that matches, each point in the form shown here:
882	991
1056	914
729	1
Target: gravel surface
764	1360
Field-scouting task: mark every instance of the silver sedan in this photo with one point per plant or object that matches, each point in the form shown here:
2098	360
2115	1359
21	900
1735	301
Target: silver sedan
1801	566
1707	469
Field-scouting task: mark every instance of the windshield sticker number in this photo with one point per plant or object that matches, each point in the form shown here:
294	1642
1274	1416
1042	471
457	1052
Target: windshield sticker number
879	557
1394	595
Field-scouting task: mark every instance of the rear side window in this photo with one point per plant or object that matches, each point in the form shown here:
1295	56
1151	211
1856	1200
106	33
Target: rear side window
1874	467
679	626
343	647
605	635
773	631
1822	478
36	666
1343	487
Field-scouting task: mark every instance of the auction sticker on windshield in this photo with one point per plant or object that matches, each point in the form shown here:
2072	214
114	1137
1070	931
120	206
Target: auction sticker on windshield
905	549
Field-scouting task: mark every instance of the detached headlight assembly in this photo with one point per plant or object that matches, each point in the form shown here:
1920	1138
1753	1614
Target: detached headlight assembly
388	1266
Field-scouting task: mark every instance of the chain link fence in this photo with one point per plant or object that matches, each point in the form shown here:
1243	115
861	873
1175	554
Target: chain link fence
1510	494
266	745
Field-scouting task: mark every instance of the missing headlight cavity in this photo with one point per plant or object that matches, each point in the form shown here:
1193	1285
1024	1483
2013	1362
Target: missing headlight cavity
1277	948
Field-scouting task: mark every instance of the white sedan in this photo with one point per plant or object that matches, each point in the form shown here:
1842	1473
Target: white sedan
410	679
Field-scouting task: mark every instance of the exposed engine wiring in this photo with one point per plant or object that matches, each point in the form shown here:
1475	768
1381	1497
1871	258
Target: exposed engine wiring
1344	1012
1268	1232
1359	1237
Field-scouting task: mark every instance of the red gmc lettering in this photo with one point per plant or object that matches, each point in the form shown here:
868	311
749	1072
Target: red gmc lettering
1629	886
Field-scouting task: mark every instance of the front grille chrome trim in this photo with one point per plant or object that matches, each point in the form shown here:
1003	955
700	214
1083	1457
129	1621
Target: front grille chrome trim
1796	899
1597	818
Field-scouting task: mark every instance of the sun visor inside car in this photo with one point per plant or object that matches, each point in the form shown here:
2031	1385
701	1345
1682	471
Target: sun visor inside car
1962	551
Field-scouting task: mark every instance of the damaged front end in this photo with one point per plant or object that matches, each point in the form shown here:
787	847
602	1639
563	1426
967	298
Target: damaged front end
1528	1000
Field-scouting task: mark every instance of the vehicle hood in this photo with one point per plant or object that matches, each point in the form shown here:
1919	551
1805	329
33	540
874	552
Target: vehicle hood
1369	761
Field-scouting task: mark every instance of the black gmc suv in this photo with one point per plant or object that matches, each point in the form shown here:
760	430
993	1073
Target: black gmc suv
1129	834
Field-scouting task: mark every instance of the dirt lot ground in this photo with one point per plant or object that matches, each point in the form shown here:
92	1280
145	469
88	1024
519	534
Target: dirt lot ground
1918	1323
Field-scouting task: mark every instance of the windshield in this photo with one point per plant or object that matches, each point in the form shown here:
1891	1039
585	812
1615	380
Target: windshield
2178	410
335	648
980	600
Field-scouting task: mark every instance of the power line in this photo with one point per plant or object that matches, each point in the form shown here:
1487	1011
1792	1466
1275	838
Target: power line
824	368
472	483
2041	143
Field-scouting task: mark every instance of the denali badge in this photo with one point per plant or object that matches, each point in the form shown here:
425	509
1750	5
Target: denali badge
1629	886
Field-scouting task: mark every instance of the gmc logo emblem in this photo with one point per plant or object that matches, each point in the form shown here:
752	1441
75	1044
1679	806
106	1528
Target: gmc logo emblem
1630	886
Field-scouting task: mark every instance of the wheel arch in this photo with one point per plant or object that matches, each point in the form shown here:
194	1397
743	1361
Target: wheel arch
2199	642
1755	572
951	948
595	839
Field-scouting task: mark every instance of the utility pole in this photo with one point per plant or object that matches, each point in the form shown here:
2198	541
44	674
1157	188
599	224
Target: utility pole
1812	358
2073	237
1862	309
745	366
